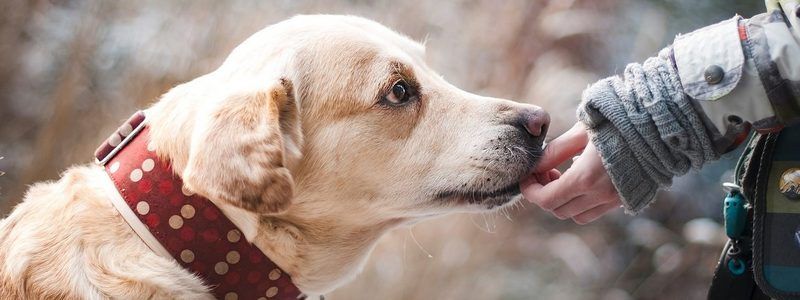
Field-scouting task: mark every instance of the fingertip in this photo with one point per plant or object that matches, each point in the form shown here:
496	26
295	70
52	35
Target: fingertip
530	190
594	214
562	148
554	174
528	181
550	157
550	205
559	216
543	178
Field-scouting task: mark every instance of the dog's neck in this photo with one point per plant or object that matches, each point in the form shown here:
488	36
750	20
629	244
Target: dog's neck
319	251
315	240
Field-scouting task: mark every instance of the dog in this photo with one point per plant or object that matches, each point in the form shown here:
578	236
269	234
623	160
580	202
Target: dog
315	137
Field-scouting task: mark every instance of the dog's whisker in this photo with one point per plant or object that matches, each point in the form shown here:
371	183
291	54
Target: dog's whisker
505	213
486	222
472	219
411	232
405	243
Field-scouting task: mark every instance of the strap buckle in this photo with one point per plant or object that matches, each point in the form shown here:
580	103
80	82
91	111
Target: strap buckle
124	134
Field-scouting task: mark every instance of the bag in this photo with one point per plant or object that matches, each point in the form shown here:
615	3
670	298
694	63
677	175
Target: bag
776	215
762	260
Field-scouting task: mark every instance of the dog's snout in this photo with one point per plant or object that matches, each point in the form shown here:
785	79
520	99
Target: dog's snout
535	121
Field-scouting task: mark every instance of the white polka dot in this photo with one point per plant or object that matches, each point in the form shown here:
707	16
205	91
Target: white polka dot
221	268
186	192
151	147
232	257
234	236
114	167
274	274
187	256
114	140
271	292
136	175
187	211
175	221
142	208
125	129
231	296
262	298
148	164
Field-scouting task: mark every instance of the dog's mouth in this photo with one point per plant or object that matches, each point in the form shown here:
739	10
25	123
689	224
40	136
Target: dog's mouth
486	199
496	182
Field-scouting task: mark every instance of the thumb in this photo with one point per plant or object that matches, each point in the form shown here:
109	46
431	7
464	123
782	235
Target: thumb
563	148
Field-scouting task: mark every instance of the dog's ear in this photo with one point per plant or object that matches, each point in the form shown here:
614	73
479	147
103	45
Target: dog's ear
238	151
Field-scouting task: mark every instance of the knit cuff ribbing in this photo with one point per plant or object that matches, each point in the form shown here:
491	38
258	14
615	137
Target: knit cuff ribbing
636	189
645	129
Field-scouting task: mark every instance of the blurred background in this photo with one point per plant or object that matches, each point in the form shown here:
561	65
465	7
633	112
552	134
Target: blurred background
71	71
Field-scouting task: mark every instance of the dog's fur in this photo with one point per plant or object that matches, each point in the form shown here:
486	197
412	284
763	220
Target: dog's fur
292	138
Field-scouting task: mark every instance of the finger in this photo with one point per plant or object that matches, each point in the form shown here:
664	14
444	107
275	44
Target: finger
561	214
594	213
563	148
552	195
529	180
543	178
577	206
554	174
546	177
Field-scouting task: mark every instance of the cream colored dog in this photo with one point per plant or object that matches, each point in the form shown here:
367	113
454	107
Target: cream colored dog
316	136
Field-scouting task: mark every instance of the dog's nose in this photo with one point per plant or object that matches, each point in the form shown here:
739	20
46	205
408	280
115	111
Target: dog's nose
535	121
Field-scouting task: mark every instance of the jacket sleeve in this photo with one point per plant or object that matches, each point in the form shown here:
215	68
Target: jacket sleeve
743	70
694	101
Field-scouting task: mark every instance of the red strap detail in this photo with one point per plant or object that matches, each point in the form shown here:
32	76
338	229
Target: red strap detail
777	128
740	138
742	32
193	230
767	130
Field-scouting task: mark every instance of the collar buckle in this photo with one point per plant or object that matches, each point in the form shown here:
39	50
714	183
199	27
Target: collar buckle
121	137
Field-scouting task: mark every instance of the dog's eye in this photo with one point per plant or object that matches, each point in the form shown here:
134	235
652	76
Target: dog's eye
399	93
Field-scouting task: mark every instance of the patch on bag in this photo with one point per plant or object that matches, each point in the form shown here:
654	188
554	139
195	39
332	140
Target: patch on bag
789	183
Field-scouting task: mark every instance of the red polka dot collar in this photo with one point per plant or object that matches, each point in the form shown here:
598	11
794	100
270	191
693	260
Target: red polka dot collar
187	227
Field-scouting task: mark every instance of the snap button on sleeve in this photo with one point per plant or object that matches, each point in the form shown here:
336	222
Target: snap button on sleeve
714	74
710	60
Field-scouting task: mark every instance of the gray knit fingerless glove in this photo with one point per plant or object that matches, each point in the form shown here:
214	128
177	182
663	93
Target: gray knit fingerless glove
646	130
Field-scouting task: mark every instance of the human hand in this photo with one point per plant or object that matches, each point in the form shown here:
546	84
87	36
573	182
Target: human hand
584	192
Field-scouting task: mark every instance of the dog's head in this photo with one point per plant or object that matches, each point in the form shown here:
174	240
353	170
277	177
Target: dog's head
345	111
335	128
